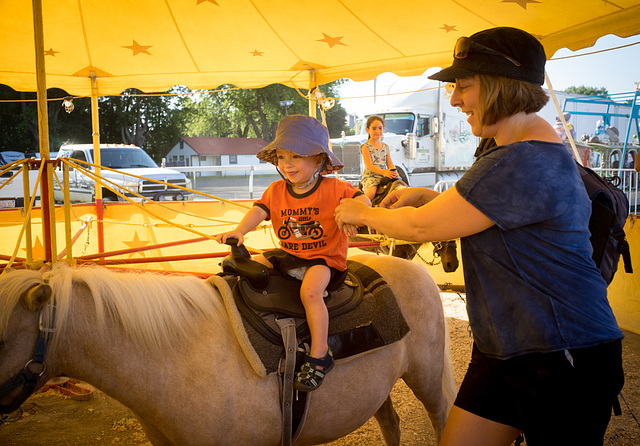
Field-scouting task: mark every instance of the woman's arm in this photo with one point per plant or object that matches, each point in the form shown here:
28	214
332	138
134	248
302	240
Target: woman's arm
352	230
445	217
410	196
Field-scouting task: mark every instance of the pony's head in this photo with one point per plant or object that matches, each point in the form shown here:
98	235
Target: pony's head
21	287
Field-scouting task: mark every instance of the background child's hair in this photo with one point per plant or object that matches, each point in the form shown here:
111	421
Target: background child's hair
375	118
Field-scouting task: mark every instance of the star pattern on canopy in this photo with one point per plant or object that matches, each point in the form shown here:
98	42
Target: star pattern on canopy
137	48
522	3
331	41
37	250
183	33
136	243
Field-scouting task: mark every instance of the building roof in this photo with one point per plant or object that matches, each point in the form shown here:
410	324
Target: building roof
225	146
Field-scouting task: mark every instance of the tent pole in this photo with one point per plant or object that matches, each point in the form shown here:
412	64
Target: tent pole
46	190
95	127
313	84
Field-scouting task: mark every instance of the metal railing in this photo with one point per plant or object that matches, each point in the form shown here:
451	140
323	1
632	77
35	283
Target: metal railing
628	184
443	185
248	169
629	179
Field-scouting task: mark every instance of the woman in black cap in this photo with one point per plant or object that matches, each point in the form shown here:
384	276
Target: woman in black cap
546	358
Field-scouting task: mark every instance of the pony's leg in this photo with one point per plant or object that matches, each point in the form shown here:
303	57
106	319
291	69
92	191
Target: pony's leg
389	422
156	437
429	372
436	392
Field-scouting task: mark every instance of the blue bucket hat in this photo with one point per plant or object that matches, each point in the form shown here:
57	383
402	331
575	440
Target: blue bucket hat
305	136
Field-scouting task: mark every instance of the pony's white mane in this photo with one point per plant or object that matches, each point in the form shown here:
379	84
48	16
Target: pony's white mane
12	287
153	309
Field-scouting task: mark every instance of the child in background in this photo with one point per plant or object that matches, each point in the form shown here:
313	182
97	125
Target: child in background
301	208
375	155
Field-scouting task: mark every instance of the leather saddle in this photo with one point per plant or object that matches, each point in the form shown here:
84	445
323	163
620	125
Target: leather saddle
264	295
363	315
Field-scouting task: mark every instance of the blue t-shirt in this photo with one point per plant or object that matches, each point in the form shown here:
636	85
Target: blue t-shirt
531	284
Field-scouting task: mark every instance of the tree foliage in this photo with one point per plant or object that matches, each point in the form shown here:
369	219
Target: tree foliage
156	122
253	113
19	120
148	121
588	91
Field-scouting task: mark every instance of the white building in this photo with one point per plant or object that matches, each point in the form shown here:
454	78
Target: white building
205	151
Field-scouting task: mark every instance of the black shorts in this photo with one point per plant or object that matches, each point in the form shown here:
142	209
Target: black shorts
542	394
282	261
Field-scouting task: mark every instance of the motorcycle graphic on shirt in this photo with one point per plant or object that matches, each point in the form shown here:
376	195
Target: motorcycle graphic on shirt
310	229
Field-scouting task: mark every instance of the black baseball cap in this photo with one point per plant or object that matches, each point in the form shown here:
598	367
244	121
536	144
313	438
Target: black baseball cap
507	52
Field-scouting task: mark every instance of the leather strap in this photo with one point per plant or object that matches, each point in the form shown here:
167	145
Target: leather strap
288	332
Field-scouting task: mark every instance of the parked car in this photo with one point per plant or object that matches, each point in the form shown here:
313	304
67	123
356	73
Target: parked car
128	159
12	192
36	155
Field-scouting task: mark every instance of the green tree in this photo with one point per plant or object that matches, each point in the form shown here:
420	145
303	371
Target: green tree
588	91
19	120
156	122
252	112
149	121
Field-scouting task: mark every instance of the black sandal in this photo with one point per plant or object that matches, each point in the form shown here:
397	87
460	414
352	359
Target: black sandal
309	377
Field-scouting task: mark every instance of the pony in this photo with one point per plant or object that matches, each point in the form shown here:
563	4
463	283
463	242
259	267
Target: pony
164	346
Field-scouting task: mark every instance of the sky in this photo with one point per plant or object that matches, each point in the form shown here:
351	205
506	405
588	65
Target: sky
616	70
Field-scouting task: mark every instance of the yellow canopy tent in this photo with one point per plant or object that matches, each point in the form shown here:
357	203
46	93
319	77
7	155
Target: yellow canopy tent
152	45
98	48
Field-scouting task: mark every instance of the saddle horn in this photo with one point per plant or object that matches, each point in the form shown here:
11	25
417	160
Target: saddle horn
240	263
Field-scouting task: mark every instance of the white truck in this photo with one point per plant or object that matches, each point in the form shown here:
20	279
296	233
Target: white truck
429	140
127	159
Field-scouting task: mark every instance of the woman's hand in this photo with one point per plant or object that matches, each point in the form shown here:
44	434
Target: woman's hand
349	212
350	230
410	196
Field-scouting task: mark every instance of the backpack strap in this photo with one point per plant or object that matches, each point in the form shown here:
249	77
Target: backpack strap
623	247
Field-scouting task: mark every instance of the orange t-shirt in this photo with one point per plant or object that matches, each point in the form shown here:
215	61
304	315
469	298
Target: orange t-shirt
304	223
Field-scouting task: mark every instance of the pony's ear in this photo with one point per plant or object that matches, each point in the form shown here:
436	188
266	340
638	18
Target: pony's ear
37	296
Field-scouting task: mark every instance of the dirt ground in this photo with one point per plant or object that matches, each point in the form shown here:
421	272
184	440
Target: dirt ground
53	419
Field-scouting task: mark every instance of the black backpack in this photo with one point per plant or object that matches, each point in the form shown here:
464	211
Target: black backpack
609	211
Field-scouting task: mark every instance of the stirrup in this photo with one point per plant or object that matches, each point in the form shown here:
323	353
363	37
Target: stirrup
309	378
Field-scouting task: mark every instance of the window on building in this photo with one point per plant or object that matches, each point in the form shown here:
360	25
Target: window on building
233	159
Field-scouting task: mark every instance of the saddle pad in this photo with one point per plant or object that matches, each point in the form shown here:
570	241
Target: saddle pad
378	310
282	296
281	299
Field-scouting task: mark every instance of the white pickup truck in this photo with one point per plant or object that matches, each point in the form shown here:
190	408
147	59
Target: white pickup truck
128	159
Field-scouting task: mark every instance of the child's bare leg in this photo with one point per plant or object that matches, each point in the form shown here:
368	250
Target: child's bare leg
370	192
314	283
